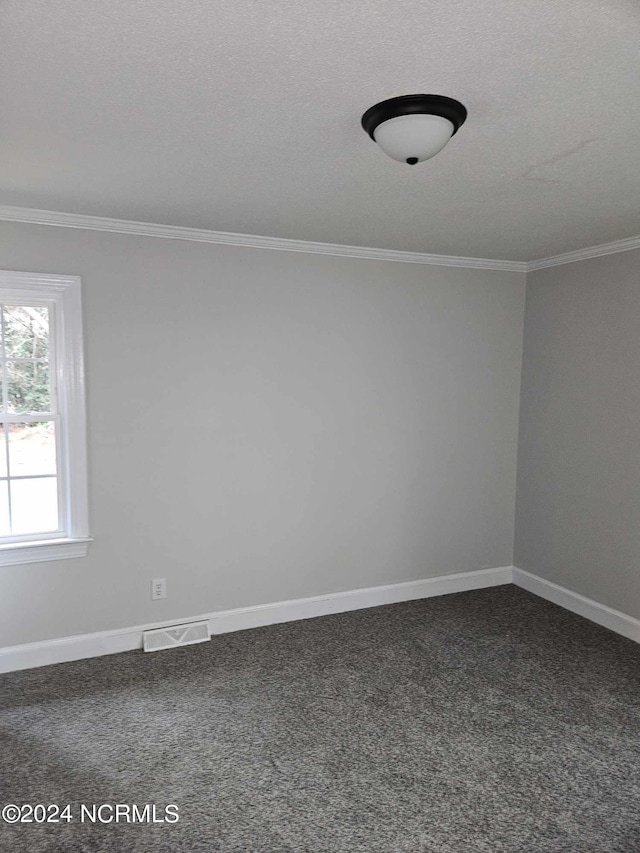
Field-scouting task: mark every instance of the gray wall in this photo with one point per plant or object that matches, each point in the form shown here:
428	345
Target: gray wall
268	425
578	503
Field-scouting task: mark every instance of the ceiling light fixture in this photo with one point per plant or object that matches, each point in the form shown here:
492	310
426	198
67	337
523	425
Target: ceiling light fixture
413	128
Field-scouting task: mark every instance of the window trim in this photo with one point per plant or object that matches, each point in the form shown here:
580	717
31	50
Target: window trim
64	291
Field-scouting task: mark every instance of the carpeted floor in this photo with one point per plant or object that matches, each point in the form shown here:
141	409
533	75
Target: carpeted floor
484	722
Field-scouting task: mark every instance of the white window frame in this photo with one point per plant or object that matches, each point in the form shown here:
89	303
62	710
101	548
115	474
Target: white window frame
63	293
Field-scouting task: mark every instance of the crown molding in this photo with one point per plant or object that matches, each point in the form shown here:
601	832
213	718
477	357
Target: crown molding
584	254
177	232
57	218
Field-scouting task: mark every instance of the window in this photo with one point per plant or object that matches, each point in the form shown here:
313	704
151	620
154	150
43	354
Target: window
43	471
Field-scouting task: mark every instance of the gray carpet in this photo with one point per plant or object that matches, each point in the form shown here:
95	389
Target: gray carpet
487	721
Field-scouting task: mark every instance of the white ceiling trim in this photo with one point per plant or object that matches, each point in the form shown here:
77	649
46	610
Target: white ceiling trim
176	232
226	238
584	254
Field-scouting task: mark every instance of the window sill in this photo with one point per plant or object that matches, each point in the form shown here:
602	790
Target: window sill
38	552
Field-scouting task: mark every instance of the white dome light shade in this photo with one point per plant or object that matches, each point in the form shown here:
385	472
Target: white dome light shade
412	128
413	138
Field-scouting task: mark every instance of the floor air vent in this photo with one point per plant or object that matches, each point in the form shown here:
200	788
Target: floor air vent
175	635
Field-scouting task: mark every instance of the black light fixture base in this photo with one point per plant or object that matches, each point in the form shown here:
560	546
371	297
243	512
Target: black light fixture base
438	105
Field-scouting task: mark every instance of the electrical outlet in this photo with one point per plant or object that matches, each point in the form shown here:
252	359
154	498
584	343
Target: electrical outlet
158	588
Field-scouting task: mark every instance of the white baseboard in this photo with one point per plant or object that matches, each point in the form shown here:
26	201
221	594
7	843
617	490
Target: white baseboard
615	620
224	621
356	599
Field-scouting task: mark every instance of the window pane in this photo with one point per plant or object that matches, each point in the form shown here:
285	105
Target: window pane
3	452
29	389
34	505
26	332
4	508
32	449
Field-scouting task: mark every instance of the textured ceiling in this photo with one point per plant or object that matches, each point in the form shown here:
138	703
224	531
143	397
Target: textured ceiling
243	115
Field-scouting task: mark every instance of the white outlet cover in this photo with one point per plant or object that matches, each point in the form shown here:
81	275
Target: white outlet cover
158	588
